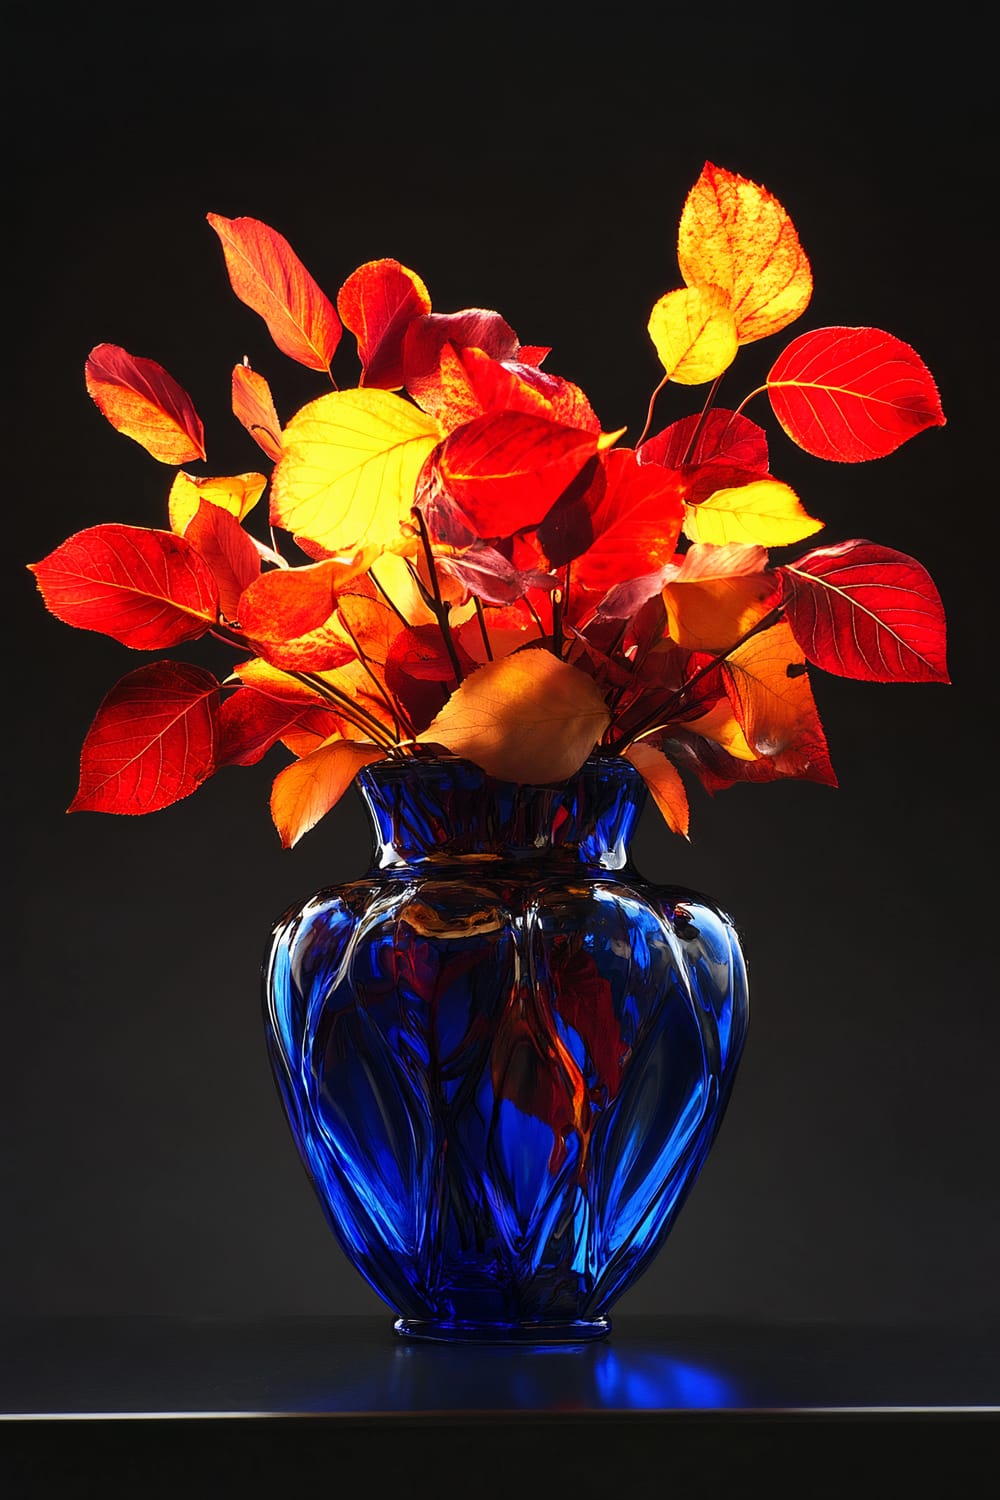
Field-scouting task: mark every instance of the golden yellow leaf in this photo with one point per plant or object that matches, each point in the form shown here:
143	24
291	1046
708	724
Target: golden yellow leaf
694	334
527	718
306	790
735	235
348	470
765	511
721	725
768	686
237	493
717	595
664	782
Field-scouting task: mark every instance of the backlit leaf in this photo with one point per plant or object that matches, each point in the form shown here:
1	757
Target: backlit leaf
229	552
348	469
626	523
694	334
267	275
851	394
426	336
251	722
237	494
288	615
305	791
253	407
773	702
141	400
377	303
861	610
718	594
736	236
664	782
152	741
145	588
507	468
527	718
765	511
724	438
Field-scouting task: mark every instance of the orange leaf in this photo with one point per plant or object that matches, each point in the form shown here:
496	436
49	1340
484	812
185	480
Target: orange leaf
251	722
141	400
152	741
288	615
253	407
145	588
267	275
736	236
377	303
664	782
229	552
527	718
305	791
768	686
717	595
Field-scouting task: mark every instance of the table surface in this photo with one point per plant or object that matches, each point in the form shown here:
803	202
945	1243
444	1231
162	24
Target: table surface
354	1367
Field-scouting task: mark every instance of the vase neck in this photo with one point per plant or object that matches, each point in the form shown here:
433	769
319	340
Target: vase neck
448	810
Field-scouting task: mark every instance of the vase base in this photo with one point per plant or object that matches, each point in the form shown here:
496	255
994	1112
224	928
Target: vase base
445	1331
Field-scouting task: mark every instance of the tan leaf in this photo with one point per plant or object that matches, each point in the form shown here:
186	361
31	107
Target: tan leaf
527	718
664	782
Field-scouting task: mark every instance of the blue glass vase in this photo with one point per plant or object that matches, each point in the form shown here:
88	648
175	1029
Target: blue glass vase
503	1054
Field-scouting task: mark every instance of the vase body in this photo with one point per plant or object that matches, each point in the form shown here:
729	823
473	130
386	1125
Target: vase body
503	1054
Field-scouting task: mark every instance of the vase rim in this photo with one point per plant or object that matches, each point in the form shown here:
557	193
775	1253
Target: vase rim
412	766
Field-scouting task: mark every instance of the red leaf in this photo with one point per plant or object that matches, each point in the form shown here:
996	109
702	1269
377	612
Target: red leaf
152	741
426	337
228	550
267	275
147	589
851	394
378	302
725	438
860	610
634	522
286	616
506	469
141	400
251	722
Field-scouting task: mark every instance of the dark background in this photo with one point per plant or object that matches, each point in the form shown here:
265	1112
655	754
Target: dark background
536	161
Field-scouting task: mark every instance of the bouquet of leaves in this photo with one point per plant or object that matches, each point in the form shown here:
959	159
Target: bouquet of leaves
458	559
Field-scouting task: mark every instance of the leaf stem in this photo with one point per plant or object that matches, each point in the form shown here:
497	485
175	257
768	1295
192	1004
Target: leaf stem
481	617
703	418
649	411
437	604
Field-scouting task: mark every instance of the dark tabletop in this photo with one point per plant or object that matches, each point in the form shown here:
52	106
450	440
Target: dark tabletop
156	1408
349	1367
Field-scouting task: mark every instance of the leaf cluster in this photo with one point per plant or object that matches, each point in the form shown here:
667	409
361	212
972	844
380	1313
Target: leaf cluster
458	559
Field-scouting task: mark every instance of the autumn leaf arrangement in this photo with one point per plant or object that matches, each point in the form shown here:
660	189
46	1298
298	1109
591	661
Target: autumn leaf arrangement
458	559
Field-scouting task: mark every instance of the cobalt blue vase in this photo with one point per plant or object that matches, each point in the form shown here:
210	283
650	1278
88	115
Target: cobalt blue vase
503	1054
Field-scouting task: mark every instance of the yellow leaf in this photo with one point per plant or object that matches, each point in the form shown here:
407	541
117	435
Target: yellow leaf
721	725
527	718
348	470
717	595
664	783
737	236
694	334
238	494
306	790
764	511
